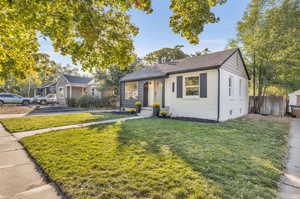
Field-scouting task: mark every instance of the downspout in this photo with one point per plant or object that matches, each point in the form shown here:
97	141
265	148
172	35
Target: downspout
120	94
218	117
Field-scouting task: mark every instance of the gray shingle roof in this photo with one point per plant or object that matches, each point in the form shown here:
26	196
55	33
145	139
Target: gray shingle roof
77	79
48	84
208	61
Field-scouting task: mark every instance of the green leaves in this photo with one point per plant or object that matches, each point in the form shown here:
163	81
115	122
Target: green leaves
165	55
190	16
271	38
96	33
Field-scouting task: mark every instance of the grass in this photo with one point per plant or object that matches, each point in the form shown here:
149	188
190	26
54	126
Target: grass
165	159
39	122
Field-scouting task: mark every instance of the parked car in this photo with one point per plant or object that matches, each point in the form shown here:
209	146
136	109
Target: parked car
49	99
9	98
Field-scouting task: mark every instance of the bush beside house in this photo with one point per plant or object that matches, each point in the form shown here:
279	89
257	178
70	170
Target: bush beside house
87	101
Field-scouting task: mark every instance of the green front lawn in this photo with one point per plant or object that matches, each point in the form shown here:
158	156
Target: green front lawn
159	158
47	121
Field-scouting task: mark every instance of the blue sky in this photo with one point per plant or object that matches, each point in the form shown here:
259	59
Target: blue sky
155	32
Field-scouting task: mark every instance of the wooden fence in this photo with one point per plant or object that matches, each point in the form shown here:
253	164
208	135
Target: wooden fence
269	105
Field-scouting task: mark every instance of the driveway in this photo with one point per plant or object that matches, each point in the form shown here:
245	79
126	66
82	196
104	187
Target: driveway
290	185
19	176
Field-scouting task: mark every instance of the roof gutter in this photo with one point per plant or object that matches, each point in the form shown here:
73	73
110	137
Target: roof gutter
194	69
174	72
144	78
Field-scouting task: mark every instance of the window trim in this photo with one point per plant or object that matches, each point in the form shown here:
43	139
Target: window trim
230	86
240	87
137	89
59	92
184	86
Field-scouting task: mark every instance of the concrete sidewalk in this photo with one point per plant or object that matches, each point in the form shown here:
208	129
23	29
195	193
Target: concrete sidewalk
30	133
290	184
19	177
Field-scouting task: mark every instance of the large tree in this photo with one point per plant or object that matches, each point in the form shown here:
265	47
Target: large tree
165	55
96	33
270	37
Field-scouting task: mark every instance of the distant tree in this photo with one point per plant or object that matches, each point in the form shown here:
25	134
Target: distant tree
165	55
203	52
232	43
110	78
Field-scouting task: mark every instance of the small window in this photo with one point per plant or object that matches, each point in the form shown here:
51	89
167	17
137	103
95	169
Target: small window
241	110
61	92
230	112
131	90
230	85
93	91
192	86
173	87
240	87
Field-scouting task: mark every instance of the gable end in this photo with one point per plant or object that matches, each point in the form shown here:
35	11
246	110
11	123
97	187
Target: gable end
236	65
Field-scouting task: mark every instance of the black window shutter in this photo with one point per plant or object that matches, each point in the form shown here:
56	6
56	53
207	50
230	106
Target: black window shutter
173	87
179	87
203	85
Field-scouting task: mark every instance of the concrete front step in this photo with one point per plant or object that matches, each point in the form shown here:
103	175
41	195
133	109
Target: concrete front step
146	112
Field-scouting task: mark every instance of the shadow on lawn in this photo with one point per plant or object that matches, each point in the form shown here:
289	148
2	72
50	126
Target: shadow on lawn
242	156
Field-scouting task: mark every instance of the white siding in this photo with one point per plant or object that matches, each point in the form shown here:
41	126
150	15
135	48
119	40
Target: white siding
204	108
61	83
235	65
236	105
293	98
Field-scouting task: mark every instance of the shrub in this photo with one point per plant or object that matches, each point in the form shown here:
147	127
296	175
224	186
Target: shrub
88	101
72	102
164	113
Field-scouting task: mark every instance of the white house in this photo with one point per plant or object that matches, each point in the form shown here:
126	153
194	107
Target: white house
212	87
294	98
69	86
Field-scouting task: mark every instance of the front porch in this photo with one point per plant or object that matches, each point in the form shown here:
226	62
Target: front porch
75	91
146	91
70	91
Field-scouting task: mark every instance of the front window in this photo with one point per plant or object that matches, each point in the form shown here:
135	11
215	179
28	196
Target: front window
230	86
61	92
240	87
131	90
192	86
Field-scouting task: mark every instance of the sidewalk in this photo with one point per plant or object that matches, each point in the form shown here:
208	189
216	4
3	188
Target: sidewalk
19	177
290	184
30	133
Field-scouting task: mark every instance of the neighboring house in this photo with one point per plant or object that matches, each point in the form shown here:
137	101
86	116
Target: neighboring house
45	89
212	86
294	98
69	86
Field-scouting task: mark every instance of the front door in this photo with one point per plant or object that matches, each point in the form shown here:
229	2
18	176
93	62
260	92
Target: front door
145	100
158	91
